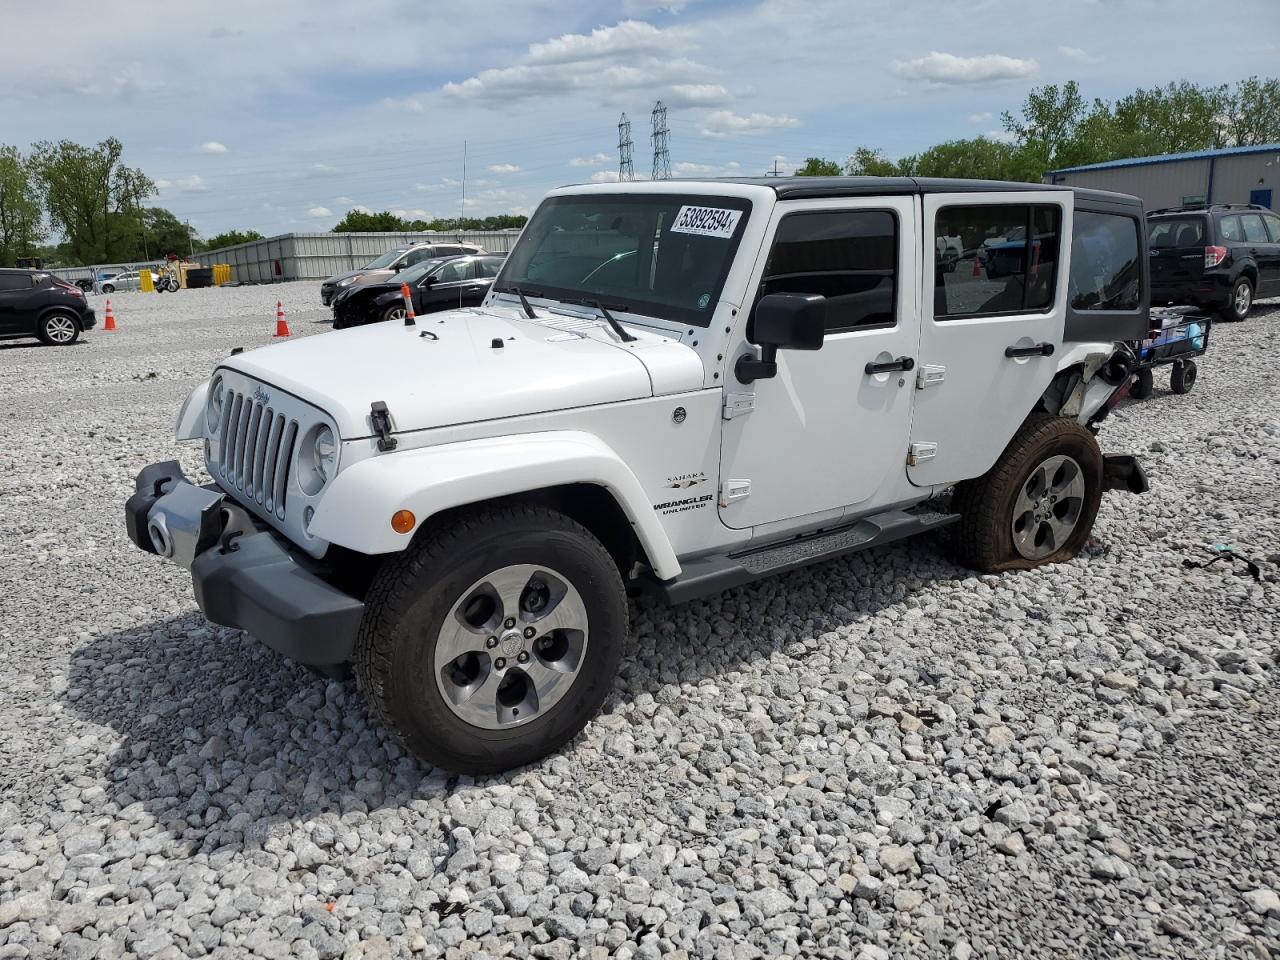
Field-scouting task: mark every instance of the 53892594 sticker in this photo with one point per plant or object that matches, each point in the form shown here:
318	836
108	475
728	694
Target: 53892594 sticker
706	221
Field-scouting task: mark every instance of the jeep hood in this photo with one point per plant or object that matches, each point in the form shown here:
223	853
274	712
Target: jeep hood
447	370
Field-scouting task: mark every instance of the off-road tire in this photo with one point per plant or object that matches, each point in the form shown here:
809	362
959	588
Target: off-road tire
60	338
1144	385
1231	309
410	597
1183	377
982	539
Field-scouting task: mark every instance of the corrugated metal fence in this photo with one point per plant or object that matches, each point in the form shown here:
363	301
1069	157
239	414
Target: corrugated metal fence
314	256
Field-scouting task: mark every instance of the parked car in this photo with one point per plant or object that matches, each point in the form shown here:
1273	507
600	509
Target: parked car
1221	257
38	304
660	392
129	280
391	263
435	284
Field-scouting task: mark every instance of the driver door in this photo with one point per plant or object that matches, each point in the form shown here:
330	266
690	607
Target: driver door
826	434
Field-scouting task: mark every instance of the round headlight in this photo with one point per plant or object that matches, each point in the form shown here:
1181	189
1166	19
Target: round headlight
319	461
213	407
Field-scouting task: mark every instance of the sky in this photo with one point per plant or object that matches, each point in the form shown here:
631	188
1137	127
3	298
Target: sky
282	115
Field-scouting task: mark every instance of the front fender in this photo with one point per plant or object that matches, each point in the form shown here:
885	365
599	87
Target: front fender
356	511
190	425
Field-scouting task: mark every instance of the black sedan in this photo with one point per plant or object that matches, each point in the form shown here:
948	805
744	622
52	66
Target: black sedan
38	304
438	284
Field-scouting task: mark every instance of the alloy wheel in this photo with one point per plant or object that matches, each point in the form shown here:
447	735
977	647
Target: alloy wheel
1048	507
60	329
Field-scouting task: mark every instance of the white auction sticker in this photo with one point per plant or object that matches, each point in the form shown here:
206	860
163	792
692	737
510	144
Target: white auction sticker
706	221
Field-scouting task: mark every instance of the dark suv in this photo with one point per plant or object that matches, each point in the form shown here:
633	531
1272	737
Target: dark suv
1222	256
38	304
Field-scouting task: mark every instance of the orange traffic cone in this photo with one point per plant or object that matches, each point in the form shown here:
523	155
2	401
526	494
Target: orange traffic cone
408	305
282	328
110	322
977	266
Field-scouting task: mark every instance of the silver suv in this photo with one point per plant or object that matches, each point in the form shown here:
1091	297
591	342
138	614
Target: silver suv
391	263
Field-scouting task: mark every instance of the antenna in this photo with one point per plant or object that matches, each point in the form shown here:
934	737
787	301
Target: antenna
626	169
661	138
463	212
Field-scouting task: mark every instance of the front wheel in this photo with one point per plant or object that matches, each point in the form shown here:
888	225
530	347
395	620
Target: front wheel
58	330
394	313
493	640
1038	503
108	288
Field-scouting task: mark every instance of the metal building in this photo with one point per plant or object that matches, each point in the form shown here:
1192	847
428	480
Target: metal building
315	256
1229	175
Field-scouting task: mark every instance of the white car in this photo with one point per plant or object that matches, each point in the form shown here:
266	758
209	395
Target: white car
129	280
672	386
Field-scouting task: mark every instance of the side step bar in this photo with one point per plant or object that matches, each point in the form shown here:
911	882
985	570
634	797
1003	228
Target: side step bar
708	575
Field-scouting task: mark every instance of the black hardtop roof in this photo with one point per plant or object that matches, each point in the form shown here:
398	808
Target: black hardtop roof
800	188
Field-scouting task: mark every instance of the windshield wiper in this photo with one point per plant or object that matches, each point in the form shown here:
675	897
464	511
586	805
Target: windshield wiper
524	295
604	312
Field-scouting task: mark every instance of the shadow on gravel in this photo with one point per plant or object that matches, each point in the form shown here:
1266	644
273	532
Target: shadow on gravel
225	743
27	344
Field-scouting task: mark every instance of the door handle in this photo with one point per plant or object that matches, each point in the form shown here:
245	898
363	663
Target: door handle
1037	350
901	363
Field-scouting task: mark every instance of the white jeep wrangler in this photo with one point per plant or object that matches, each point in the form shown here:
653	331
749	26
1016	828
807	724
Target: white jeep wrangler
680	386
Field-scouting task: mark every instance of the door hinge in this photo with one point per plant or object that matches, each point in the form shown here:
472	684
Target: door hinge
736	404
920	452
930	375
734	490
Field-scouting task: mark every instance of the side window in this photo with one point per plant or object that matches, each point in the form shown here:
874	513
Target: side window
1232	230
1273	224
14	281
1007	263
1106	272
488	267
416	256
449	251
1254	230
452	272
850	257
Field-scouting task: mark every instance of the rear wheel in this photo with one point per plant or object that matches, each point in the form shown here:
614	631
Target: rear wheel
1038	503
491	642
108	288
1240	301
58	329
1183	377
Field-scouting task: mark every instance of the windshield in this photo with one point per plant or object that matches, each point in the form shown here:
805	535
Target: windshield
665	255
419	270
386	260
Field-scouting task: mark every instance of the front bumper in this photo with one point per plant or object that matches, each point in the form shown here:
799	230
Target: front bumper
245	574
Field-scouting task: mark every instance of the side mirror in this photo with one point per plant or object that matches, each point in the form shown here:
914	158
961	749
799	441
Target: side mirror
782	321
429	281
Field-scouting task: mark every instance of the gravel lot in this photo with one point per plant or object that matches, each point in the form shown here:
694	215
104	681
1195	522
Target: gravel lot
885	756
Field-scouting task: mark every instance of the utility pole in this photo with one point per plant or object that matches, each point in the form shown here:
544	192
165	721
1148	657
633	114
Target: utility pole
191	240
661	138
463	214
774	172
626	169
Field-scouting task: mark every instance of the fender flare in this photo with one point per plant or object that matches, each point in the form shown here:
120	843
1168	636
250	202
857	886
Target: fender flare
356	511
190	423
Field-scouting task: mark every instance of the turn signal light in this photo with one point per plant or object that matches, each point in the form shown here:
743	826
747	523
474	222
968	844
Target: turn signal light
402	521
1214	256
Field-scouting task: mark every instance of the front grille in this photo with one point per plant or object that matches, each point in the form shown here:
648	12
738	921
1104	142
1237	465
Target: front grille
256	451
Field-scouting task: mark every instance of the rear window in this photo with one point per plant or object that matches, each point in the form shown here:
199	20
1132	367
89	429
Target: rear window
1232	231
15	281
1176	232
1105	270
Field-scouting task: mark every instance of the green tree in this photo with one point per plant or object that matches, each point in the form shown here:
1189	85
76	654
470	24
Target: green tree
980	159
1251	113
818	167
1046	129
20	227
360	221
229	238
91	197
871	162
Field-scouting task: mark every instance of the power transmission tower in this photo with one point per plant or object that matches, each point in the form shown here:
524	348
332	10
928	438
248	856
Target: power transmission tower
661	143
626	169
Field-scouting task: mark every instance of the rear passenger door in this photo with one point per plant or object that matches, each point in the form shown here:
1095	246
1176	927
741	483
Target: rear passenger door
1005	293
1266	249
16	306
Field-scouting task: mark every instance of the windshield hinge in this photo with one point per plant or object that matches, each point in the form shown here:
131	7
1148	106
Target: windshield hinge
736	404
380	417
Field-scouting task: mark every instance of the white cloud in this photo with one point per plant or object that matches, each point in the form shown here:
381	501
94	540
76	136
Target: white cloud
503	168
985	117
213	146
946	69
597	160
323	168
319	212
1001	136
632	7
605	176
726	123
610	65
192	184
361	208
343	200
1078	55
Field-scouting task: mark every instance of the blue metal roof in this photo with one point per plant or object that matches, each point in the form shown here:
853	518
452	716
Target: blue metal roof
1171	158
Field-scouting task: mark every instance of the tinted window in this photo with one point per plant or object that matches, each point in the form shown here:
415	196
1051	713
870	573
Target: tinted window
1232	230
417	256
449	250
1254	231
488	266
1007	263
1273	223
1105	270
453	271
15	281
850	257
1176	232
